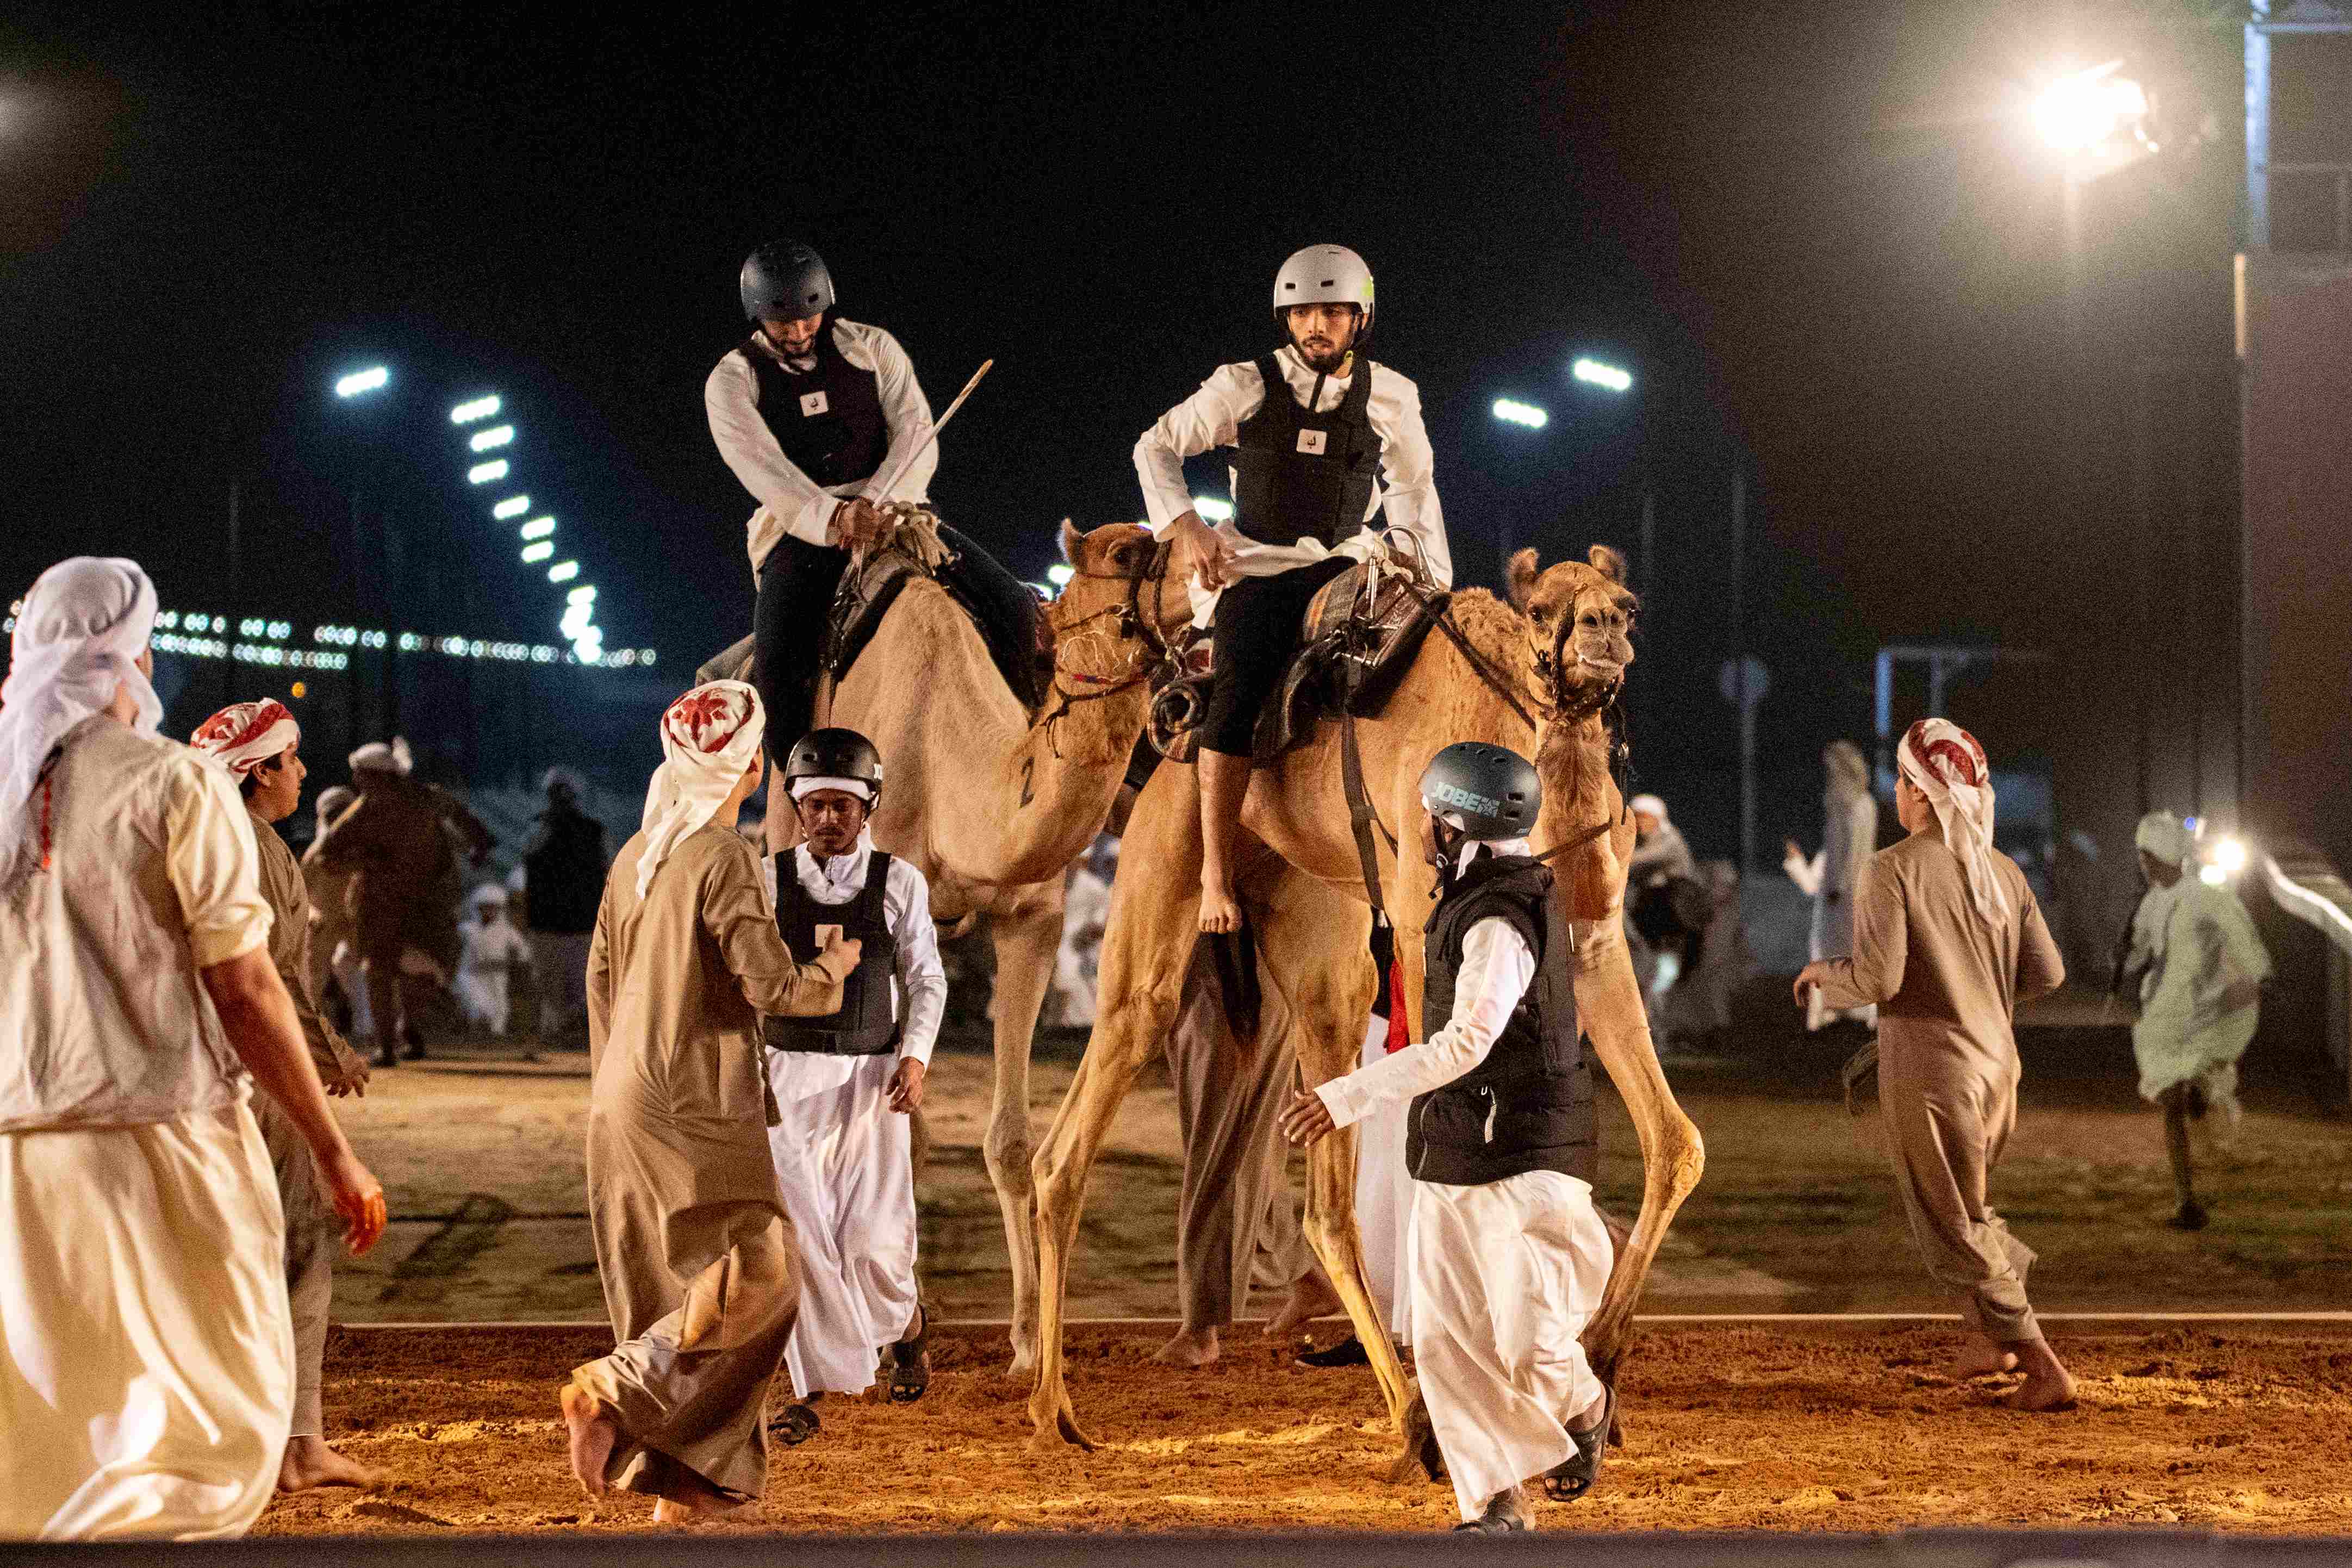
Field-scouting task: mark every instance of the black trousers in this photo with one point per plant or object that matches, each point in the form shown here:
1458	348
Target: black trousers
1251	644
797	584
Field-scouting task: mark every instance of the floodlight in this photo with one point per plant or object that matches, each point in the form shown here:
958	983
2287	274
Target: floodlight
479	408
539	528
483	473
2229	856
563	572
513	505
540	551
583	595
2213	876
1216	508
367	380
2083	111
496	436
1600	375
1059	574
1513	412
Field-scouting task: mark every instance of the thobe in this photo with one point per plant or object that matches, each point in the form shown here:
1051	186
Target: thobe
1849	836
695	1251
1237	1226
843	1159
313	1231
1504	1276
491	950
148	1380
1947	984
1659	859
2201	989
1384	1196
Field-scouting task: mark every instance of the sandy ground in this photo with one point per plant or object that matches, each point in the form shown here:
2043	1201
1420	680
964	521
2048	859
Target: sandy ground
1727	1429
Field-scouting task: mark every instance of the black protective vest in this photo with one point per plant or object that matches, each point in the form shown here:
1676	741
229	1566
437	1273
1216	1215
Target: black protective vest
1529	1106
864	1026
1306	476
829	422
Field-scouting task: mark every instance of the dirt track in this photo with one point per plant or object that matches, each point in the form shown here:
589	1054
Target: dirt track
1833	1429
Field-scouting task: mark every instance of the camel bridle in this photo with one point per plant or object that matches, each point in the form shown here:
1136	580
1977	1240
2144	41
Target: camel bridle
1149	660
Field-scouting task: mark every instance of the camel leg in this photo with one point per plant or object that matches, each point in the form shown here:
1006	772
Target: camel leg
1025	943
1153	924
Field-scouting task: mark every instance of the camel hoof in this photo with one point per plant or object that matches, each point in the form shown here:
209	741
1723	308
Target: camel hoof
1422	1459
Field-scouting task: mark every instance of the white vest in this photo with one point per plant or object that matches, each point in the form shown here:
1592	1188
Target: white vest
103	1022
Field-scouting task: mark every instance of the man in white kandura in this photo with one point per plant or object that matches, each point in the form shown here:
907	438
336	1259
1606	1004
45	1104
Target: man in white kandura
147	1387
1305	500
847	1083
1506	1259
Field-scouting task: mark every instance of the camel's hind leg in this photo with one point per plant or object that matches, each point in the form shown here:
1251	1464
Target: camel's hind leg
1025	939
1154	922
1314	946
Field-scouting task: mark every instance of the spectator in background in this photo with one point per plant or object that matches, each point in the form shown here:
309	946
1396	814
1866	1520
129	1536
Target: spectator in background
1661	866
1715	960
1086	914
493	951
564	878
1849	836
334	953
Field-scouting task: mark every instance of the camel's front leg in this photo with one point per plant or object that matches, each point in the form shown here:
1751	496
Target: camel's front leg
1026	939
1608	1004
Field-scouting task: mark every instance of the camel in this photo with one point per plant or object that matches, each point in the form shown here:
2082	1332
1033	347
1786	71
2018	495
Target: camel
992	805
1552	667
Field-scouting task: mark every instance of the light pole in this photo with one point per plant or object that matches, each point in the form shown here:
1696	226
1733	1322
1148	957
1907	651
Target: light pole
357	385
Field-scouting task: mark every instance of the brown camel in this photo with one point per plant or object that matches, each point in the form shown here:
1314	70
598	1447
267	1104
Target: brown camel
1562	661
992	805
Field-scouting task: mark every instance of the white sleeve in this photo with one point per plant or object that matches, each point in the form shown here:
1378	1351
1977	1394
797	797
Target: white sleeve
1806	874
924	978
909	413
1497	967
730	397
768	882
1408	471
1208	420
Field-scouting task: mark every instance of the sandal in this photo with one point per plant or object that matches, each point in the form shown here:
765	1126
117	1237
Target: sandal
794	1425
1573	1477
1348	1352
910	1363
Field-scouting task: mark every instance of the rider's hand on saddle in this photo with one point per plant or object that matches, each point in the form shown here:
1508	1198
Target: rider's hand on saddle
1201	550
855	522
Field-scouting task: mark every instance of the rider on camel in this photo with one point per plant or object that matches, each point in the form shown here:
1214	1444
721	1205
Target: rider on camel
1305	500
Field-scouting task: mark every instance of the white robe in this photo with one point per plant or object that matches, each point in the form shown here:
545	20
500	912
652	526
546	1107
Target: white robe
1384	1196
490	953
2199	997
148	1383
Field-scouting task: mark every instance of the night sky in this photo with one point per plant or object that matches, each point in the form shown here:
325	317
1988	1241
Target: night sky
1821	236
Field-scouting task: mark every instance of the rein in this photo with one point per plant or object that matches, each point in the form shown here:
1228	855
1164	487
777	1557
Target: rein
1154	655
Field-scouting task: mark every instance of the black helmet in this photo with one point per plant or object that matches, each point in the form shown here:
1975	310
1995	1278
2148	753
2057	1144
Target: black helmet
1492	789
834	754
784	280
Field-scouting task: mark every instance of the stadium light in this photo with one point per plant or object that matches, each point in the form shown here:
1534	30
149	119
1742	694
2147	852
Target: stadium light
539	528
1600	375
1060	573
484	473
583	595
532	553
563	572
368	380
2083	111
496	436
1512	412
513	505
576	619
1216	508
479	408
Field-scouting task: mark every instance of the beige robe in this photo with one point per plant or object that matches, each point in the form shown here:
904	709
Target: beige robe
313	1230
1947	985
697	1259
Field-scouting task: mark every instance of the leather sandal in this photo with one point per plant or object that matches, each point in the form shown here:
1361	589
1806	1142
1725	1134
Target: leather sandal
910	1363
1573	1477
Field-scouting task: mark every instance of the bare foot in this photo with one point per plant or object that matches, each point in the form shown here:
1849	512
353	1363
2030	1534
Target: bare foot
2048	1385
1310	1297
1191	1347
698	1501
308	1463
592	1435
1982	1358
1219	910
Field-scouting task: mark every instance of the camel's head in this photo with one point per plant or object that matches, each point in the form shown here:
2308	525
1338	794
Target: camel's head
1580	622
1120	565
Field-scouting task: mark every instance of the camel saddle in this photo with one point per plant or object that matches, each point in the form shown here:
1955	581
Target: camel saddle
1358	639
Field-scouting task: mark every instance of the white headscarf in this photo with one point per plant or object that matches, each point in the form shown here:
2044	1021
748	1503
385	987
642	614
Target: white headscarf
393	758
244	735
1945	764
2164	836
709	737
1652	805
810	785
78	637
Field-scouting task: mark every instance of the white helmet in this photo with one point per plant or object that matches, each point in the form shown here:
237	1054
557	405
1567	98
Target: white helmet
1325	274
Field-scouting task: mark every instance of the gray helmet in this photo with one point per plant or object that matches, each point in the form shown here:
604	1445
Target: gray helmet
784	280
1492	789
1324	274
834	753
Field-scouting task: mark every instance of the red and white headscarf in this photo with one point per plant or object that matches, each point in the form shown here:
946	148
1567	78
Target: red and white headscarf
709	737
1945	764
244	735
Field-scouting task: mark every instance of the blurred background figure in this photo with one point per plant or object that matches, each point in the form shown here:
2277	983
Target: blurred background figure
492	950
334	953
1849	836
1086	913
1715	962
1665	905
2200	967
564	878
